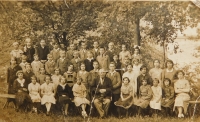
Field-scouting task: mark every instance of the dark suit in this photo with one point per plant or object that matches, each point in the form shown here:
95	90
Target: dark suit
89	64
42	52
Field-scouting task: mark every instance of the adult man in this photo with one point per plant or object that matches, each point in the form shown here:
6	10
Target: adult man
102	86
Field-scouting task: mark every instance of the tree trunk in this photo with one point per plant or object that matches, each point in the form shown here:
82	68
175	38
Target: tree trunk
137	37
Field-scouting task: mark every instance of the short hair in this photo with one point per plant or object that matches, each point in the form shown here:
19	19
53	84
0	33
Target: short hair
115	55
126	78
136	48
179	72
27	64
15	43
42	40
167	79
129	65
46	77
14	58
82	63
170	61
124	45
156	79
19	71
24	57
33	77
111	43
112	63
49	55
142	67
102	47
57	69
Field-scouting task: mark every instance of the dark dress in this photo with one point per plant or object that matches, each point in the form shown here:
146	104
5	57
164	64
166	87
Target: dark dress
42	52
139	81
27	76
29	53
168	93
63	94
11	76
89	64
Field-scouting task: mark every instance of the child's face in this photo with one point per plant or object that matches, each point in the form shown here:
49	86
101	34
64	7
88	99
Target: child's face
90	55
95	65
28	68
56	71
123	48
56	46
20	75
136	51
111	46
126	60
23	60
75	55
82	67
48	79
72	47
42	43
33	80
180	75
115	58
112	67
156	63
28	42
16	46
70	68
13	61
144	82
155	83
129	68
166	82
36	58
78	81
95	44
62	80
169	65
144	70
101	51
125	81
42	70
136	62
50	58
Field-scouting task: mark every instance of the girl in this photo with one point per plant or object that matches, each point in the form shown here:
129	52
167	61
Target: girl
56	77
155	102
20	87
156	72
169	71
80	92
124	53
63	95
126	95
131	76
182	88
48	93
41	76
34	93
23	63
36	65
16	52
145	95
50	65
168	95
29	50
136	54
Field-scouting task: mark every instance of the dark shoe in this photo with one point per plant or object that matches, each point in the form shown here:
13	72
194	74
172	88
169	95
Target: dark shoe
47	114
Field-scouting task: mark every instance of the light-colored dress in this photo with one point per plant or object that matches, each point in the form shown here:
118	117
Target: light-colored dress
131	77
79	92
156	73
125	90
55	80
48	96
34	92
157	94
36	65
182	97
136	71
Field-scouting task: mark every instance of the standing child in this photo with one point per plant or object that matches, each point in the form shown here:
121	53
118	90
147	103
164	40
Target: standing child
48	93
69	53
41	76
89	61
28	73
62	62
50	65
36	65
16	52
76	61
80	93
155	102
34	93
124	53
126	95
23	63
156	72
103	59
56	77
83	51
29	50
167	96
55	52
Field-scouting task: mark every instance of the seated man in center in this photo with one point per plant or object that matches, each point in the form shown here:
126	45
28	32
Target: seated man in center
102	90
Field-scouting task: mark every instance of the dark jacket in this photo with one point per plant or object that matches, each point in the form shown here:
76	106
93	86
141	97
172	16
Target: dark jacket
89	64
42	52
29	53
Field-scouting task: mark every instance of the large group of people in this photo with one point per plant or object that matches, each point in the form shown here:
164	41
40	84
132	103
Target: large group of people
110	80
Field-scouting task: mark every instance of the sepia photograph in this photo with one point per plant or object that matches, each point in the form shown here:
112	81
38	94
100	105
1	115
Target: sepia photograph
99	61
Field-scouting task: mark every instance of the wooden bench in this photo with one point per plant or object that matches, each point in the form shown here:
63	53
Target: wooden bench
7	96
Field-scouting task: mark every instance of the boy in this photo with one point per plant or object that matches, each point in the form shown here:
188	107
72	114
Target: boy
50	65
95	50
55	52
76	61
36	65
70	52
62	62
89	61
125	64
28	73
23	63
83	51
95	72
103	59
29	50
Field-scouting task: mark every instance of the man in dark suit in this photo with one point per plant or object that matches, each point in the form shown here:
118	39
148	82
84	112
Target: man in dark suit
102	87
42	51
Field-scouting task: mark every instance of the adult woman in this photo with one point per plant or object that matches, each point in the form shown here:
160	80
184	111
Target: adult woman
182	88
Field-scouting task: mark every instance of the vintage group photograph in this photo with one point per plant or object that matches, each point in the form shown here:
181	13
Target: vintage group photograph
99	61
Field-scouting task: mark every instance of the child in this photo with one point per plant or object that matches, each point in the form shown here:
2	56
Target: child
124	53
56	77
55	52
167	96
16	52
83	51
125	64
34	93
103	59
28	73
130	74
50	65
41	76
111	51
70	52
62	62
63	95
136	54
42	51
36	65
23	63
155	102
80	93
29	50
89	61
126	95
156	72
48	93
95	50
86	79
145	95
94	73
76	61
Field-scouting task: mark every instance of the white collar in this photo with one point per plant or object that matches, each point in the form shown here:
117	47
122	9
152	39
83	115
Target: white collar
170	70
21	82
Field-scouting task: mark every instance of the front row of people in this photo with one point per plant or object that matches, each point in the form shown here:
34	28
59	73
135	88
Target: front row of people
153	96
